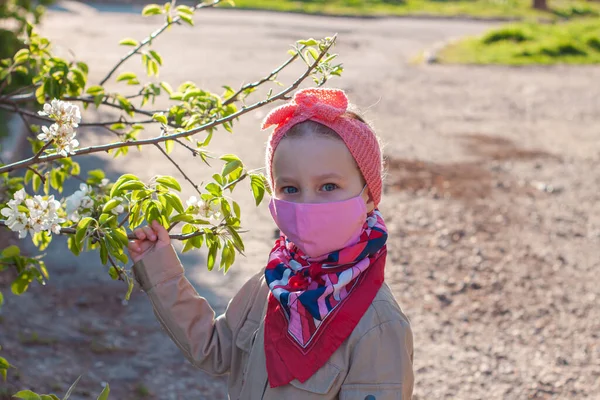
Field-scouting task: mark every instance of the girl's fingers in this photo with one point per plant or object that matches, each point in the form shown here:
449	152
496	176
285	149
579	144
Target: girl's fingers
149	233
163	234
134	245
139	233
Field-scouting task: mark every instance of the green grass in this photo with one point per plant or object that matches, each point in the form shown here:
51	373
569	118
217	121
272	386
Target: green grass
576	42
475	8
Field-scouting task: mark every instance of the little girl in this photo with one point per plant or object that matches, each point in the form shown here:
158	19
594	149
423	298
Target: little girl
318	322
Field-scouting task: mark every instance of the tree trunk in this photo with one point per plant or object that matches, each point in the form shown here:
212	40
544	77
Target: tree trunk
540	4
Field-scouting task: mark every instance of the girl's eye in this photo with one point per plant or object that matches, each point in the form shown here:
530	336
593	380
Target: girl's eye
289	190
329	187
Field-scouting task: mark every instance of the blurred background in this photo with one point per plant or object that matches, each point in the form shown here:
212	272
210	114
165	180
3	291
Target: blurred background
489	112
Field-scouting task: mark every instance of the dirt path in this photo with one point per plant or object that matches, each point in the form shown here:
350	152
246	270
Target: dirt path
492	202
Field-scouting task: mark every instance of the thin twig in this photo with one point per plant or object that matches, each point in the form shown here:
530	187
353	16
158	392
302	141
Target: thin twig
238	180
35	171
194	151
119	271
187	178
41	151
46	119
125	219
277	70
150	38
111	146
90	100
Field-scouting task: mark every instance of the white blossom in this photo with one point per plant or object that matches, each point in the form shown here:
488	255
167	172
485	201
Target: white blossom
204	209
62	112
104	182
62	133
79	203
42	215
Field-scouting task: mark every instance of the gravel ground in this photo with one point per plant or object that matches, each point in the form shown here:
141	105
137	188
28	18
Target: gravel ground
492	200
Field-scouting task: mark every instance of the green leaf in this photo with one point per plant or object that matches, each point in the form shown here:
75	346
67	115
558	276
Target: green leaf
230	167
112	203
36	182
97	175
183	217
156	56
71	389
11	251
4	364
187	19
151	9
237	210
258	188
167	87
175	202
129	42
169	181
21	283
27	395
121	236
153	211
95	90
212	255
225	257
73	245
230	157
188	246
160	117
40	94
98	99
21	56
169	146
237	240
49	397
185	10
44	270
114	274
214	189
132	185
308	42
126	76
1	299
314	53
103	253
79	77
81	231
122	179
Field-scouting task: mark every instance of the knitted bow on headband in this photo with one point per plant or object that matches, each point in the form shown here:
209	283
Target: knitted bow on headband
314	104
328	107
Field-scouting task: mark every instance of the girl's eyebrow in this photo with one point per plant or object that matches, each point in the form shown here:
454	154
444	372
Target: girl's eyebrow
331	175
284	179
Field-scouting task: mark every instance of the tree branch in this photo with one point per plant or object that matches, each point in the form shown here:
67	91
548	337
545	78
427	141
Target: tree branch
32	114
152	37
111	146
131	236
179	168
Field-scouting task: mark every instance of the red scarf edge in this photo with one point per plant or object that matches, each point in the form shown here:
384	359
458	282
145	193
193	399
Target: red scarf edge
306	362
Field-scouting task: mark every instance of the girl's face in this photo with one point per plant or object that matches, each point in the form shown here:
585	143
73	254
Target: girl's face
316	168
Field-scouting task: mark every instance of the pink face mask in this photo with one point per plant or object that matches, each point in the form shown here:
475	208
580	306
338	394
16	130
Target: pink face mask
320	228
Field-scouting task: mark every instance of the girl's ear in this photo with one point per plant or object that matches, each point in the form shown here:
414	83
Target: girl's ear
366	195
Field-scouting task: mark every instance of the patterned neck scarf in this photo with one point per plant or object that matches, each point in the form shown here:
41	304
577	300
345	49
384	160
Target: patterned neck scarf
315	304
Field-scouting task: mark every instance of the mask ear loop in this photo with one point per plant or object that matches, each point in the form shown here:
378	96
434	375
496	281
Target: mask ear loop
363	190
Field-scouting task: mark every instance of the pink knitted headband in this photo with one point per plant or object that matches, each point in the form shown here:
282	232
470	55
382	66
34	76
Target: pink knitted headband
327	107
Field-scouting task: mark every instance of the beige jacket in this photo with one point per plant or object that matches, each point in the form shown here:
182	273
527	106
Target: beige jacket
374	363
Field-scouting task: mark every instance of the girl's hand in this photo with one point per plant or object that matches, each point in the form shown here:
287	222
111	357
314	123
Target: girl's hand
148	237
